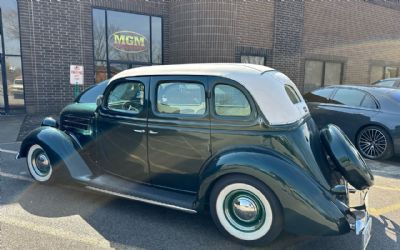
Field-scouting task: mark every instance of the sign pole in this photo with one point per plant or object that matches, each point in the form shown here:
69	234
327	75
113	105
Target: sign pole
76	90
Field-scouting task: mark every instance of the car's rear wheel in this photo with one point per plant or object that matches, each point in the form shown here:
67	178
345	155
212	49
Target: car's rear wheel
374	143
246	210
39	164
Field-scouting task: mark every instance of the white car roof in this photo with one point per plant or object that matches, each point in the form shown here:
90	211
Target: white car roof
266	85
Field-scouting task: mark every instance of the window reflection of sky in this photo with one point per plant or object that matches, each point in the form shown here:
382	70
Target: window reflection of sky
10	26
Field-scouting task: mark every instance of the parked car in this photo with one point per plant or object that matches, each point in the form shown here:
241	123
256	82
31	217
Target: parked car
369	116
234	139
17	88
389	82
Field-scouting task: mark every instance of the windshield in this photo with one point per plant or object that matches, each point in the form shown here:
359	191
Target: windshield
90	95
387	83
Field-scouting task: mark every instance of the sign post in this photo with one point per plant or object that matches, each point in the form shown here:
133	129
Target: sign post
76	77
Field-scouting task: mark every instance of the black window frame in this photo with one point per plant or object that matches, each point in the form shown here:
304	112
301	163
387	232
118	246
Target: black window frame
130	64
342	63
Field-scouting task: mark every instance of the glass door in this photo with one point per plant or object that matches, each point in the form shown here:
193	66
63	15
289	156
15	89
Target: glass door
2	85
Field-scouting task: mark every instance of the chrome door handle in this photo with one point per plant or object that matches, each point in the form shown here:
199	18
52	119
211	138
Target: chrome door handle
139	131
153	132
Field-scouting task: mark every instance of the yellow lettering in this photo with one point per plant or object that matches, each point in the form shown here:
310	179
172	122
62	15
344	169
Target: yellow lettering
119	39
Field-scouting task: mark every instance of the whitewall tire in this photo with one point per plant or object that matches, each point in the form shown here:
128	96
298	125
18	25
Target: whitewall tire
245	209
39	164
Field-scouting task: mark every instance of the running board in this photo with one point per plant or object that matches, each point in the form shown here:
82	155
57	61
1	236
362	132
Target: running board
139	192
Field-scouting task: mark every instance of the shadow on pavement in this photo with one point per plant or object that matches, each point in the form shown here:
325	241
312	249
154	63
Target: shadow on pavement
129	224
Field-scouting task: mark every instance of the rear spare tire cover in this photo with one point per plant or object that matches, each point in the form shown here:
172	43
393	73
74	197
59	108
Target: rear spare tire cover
345	156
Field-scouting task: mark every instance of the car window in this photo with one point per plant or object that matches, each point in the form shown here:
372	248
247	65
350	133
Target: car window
230	101
292	94
349	97
185	98
319	95
388	83
127	97
91	94
369	102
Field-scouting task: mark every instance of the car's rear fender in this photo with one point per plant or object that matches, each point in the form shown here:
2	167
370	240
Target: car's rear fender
307	207
61	149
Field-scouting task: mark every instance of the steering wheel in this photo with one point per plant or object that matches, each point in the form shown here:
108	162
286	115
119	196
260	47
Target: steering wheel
129	106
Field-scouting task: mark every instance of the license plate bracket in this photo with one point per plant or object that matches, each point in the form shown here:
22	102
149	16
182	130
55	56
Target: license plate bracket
366	233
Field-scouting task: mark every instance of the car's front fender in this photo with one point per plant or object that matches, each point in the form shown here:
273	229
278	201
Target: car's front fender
307	207
61	149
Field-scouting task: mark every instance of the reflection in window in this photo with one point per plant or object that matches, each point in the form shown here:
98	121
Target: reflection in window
99	34
313	75
128	97
253	59
319	95
100	71
9	13
15	81
128	41
376	73
181	98
156	44
230	101
349	97
321	73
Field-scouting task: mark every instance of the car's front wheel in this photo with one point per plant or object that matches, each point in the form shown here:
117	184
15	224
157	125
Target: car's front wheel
39	164
246	209
374	143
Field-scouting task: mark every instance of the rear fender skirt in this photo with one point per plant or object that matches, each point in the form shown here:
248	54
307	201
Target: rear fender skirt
61	149
307	207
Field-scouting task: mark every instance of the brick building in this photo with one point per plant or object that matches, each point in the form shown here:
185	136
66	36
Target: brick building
316	43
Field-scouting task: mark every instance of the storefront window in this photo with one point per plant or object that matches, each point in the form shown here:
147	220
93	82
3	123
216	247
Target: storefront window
379	72
320	73
125	40
156	40
253	59
11	96
376	73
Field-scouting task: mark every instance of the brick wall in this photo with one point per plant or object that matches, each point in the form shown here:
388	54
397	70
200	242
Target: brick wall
288	39
56	34
357	33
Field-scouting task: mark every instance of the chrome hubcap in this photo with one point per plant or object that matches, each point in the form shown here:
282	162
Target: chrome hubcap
372	143
245	209
40	162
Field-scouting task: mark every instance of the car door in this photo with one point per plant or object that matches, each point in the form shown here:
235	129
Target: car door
122	129
350	109
179	130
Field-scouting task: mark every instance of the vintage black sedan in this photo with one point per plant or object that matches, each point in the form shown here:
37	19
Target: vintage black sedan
233	139
369	116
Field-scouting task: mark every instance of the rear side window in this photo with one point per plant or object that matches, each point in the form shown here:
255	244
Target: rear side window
319	95
349	97
230	101
292	94
388	83
369	103
184	98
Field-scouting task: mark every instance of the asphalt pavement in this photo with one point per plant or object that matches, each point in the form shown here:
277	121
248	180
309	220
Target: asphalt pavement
35	216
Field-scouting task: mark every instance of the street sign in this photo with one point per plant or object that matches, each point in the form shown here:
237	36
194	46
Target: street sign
76	74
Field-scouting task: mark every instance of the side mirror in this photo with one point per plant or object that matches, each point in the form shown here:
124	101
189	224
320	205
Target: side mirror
99	100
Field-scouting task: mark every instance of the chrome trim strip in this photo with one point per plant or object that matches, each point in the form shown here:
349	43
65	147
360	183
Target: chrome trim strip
130	197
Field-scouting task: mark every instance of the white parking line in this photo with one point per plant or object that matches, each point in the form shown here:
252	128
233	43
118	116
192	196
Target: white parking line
385	172
17	177
8	151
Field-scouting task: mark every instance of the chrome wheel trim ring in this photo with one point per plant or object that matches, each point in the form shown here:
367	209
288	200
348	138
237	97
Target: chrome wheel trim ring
39	164
255	230
372	143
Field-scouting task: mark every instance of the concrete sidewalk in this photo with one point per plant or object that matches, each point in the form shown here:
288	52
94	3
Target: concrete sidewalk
9	128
